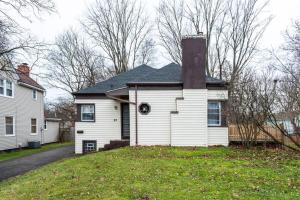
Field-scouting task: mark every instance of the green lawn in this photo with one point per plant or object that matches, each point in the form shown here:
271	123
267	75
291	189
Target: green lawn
25	152
164	173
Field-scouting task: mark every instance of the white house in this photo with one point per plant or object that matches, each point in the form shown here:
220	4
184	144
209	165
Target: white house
173	105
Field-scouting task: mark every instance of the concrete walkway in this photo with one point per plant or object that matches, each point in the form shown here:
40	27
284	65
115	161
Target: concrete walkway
17	166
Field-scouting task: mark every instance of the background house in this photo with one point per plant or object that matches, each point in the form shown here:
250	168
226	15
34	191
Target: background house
21	109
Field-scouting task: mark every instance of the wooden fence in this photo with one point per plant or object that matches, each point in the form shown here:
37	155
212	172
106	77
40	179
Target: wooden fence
234	135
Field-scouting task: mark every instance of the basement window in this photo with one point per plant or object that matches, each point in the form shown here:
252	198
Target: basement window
214	114
89	146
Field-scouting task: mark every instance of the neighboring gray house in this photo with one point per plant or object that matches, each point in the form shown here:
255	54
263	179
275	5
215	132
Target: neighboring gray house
21	109
172	106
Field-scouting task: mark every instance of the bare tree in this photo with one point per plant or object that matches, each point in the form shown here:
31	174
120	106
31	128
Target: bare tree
207	16
244	30
119	28
171	27
243	97
147	52
12	38
73	64
233	29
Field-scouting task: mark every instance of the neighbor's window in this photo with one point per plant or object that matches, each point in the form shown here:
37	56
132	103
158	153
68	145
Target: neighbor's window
88	112
214	113
45	125
33	126
1	87
9	126
34	96
9	88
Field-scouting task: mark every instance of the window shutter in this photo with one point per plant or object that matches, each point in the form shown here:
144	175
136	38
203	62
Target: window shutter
78	116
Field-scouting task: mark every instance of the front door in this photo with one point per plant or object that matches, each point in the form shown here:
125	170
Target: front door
125	126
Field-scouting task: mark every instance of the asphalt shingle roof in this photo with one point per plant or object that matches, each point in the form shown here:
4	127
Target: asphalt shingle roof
143	74
23	78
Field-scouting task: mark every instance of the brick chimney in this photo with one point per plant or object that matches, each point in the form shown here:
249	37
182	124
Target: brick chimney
24	69
193	62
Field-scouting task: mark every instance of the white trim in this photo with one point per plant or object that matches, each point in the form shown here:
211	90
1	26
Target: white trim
5	89
220	118
81	113
14	126
32	87
37	131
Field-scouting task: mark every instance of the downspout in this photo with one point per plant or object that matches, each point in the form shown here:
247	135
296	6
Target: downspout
136	117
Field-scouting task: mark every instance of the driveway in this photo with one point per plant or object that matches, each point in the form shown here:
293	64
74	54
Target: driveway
14	167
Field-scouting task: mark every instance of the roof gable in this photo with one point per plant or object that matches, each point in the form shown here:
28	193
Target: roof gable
118	81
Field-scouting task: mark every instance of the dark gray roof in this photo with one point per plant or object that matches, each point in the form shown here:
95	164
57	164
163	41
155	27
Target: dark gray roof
170	73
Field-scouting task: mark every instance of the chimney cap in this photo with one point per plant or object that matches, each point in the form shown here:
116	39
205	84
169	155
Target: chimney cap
194	36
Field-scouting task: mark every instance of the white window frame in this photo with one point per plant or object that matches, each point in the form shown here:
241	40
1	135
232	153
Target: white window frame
14	126
220	118
34	91
5	88
81	113
37	131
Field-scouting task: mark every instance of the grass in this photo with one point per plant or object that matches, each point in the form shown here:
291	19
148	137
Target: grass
7	155
164	173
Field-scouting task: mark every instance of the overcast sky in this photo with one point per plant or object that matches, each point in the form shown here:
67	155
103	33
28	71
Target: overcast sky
71	11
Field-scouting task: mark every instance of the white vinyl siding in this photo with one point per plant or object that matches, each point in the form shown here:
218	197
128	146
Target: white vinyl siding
106	127
189	126
153	128
218	136
51	134
217	94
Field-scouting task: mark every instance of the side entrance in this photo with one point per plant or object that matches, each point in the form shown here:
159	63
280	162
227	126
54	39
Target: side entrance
125	121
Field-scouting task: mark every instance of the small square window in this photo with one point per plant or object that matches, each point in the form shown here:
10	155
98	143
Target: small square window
89	146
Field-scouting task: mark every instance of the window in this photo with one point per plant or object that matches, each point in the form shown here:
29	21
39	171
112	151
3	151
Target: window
89	146
9	88
87	112
34	96
45	125
33	126
1	87
9	126
6	88
214	113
